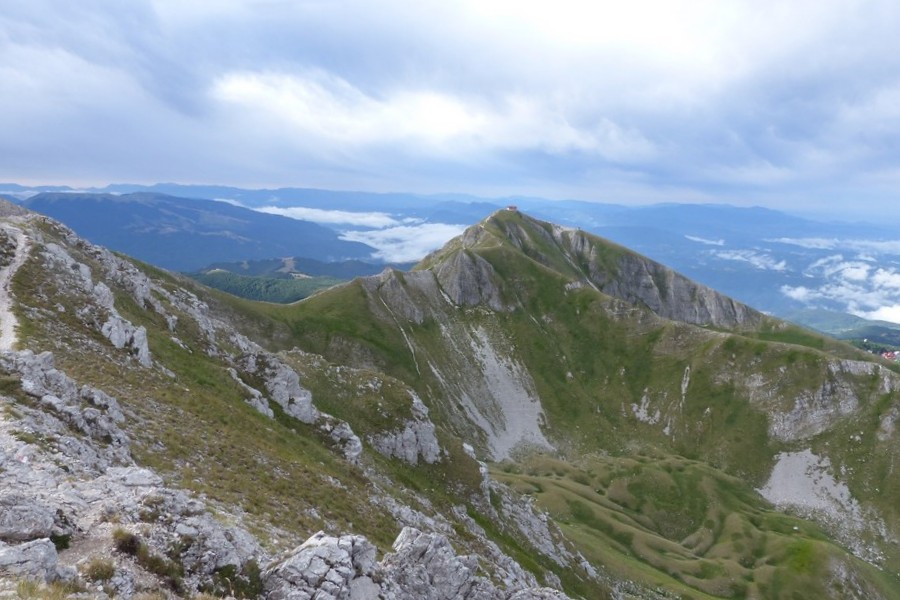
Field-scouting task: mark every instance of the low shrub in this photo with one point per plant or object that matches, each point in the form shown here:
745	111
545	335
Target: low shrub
126	542
99	569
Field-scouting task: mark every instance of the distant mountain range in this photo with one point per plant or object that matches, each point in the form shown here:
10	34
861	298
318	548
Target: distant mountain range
778	263
284	280
872	335
187	234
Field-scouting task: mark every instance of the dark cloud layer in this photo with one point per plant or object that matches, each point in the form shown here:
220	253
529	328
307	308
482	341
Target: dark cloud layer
791	104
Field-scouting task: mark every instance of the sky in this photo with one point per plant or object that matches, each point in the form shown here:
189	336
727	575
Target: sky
790	104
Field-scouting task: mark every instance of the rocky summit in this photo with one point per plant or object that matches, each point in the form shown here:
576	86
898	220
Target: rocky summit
532	412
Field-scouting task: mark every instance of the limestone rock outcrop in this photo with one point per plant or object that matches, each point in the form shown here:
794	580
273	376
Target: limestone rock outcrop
21	519
87	410
469	280
415	441
36	560
66	476
283	387
422	566
640	281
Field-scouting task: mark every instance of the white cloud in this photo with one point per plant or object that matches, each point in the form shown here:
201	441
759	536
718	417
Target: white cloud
874	246
375	220
758	260
801	293
701	240
787	104
884	313
811	243
855	271
886	279
327	108
853	286
835	267
406	243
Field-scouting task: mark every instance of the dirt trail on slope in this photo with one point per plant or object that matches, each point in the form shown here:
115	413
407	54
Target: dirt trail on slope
8	320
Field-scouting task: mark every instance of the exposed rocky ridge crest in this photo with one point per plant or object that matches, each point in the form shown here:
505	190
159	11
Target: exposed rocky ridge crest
623	274
421	567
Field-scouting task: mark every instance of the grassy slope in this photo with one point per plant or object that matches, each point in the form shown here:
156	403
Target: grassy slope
644	506
265	289
681	525
281	476
592	358
196	429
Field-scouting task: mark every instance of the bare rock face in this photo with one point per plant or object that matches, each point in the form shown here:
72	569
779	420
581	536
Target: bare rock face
888	425
324	567
807	484
426	567
66	475
281	382
342	434
122	333
8	209
671	295
86	409
256	398
469	280
23	520
391	289
415	440
423	566
283	386
119	331
36	560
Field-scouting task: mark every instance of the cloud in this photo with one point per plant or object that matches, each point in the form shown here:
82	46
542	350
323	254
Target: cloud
756	259
811	243
318	105
405	243
851	286
800	293
701	240
790	104
883	313
375	220
887	279
873	246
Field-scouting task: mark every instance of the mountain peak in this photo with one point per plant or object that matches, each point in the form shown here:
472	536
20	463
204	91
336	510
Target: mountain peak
580	258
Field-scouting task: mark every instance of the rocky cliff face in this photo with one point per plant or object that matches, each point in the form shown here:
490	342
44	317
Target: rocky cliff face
625	275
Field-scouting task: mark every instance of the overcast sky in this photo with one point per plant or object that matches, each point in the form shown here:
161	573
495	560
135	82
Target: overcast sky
792	104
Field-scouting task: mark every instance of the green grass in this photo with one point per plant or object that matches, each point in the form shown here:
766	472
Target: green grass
266	289
677	523
666	499
197	431
33	590
99	569
594	358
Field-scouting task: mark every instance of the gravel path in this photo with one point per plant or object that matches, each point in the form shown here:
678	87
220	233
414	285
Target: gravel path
8	321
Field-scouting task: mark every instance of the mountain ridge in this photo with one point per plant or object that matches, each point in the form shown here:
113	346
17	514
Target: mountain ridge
188	234
771	260
628	450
